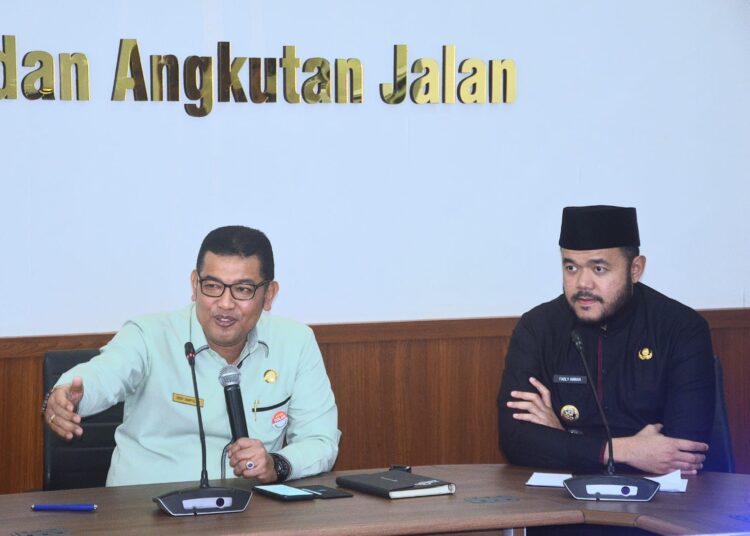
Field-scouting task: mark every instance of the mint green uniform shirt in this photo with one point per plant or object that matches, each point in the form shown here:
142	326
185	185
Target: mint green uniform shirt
287	396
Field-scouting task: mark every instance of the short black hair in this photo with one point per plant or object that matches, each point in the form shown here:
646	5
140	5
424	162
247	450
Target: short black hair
242	241
630	252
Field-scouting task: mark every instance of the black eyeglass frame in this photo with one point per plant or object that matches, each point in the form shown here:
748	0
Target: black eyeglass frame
231	287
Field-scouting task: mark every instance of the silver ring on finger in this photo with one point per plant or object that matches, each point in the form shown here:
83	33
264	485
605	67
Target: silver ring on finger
250	465
52	418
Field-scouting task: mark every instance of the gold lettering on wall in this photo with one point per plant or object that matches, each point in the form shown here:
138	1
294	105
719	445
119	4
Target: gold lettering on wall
160	64
257	93
199	85
229	75
349	76
395	92
82	84
317	88
472	89
289	65
9	89
449	74
39	83
426	88
129	61
425	80
502	81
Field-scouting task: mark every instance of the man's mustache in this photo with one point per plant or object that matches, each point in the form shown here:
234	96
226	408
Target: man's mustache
582	294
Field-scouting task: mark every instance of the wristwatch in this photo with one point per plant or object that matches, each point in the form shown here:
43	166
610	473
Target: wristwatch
282	467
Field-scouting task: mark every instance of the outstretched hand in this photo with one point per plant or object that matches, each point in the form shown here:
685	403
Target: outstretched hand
61	414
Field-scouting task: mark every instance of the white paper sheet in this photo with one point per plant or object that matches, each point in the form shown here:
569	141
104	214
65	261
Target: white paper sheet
550	480
671	482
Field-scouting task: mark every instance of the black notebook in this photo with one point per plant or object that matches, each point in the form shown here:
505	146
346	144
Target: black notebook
396	484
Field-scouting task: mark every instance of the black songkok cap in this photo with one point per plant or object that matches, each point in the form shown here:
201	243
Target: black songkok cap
599	227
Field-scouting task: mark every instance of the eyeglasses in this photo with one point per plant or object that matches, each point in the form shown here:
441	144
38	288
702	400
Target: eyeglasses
214	288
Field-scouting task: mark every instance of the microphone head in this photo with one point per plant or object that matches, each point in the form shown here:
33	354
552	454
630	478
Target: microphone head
229	375
576	338
190	352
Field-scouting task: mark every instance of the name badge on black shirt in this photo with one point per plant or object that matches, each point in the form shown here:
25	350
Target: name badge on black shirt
569	378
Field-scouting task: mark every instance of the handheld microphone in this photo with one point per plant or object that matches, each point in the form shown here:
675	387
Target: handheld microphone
204	499
609	487
229	378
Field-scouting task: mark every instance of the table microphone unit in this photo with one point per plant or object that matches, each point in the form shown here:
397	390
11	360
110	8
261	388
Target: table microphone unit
204	499
609	486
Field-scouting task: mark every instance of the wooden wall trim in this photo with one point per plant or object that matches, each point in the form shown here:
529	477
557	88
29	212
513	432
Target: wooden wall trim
31	347
415	330
727	318
474	328
15	347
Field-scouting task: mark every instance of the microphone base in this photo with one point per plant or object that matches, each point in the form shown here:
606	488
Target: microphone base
203	501
611	488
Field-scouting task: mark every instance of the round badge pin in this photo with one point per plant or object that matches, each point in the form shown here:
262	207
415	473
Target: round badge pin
569	413
645	354
279	420
270	376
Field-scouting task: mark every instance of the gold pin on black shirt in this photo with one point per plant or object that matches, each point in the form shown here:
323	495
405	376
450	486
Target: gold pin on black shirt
645	354
569	413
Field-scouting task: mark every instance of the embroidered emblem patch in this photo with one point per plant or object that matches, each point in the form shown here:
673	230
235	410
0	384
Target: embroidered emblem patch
280	420
569	413
645	354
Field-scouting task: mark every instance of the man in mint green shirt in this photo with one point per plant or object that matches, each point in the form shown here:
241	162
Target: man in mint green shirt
290	409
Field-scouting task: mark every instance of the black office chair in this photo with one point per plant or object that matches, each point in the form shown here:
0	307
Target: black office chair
720	455
84	461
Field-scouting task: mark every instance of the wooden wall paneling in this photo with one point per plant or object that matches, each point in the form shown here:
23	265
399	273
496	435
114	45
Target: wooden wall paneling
21	465
21	424
732	345
417	402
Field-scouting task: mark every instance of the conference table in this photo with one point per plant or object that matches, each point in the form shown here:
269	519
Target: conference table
488	498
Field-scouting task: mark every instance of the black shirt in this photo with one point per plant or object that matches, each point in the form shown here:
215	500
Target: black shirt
651	363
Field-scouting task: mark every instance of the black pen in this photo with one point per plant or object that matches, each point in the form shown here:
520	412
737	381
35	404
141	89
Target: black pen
79	507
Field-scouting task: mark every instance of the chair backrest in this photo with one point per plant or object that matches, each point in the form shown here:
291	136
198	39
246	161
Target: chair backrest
84	461
720	455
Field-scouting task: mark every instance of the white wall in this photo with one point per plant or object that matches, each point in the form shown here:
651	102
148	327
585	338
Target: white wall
378	212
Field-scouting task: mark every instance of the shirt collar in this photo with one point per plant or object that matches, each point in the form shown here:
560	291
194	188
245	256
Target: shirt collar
255	341
623	316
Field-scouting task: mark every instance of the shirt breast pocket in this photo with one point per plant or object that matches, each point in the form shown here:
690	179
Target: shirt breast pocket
270	417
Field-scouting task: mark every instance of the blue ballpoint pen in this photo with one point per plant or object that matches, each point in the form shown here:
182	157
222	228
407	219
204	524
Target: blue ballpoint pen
80	507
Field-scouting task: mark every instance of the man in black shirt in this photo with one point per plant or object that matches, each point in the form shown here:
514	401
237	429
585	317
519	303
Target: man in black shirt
650	357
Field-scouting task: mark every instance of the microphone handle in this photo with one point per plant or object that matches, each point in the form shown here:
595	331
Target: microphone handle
236	411
190	354
579	346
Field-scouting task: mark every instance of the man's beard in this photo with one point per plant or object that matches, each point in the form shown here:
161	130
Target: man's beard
609	310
